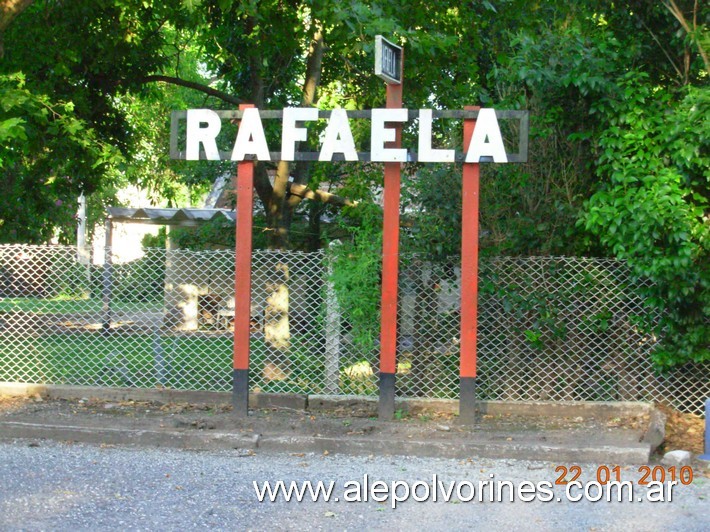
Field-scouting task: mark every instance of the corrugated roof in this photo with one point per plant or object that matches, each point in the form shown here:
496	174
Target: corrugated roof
168	216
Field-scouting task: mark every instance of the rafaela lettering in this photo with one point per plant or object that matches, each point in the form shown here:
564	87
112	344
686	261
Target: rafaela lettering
204	125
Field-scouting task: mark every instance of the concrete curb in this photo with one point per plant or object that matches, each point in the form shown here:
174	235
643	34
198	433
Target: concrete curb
598	410
217	440
626	453
109	436
561	454
656	430
156	395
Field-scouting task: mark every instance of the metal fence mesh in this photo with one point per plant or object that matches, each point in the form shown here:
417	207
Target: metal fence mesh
549	328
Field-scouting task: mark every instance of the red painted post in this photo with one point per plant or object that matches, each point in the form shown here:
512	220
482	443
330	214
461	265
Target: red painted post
242	284
390	270
469	280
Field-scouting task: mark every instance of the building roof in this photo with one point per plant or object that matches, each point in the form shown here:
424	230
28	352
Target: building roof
179	217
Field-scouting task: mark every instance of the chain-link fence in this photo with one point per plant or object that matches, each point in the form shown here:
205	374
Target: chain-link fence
549	328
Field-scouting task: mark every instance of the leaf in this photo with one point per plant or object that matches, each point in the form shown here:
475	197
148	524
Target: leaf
191	5
12	128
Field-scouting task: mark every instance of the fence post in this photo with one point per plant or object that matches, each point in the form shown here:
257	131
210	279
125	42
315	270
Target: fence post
332	330
390	267
242	284
107	288
82	249
469	282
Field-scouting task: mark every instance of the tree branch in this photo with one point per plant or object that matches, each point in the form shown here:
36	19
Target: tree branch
678	14
192	85
303	192
262	184
665	52
313	70
309	97
9	9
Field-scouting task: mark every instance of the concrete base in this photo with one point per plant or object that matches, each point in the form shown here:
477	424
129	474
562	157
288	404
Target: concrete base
214	440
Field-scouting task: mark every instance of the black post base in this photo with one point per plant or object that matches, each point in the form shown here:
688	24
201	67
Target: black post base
240	392
385	407
467	401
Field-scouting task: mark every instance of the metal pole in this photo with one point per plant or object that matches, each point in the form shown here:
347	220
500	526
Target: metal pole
107	288
390	269
469	282
706	454
332	328
81	248
242	284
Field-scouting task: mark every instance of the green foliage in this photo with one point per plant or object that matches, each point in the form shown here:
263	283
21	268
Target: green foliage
43	147
355	274
598	117
556	73
215	234
546	300
652	207
64	126
141	280
400	414
155	241
435	192
617	94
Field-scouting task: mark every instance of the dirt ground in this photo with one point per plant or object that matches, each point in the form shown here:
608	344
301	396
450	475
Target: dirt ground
343	421
683	431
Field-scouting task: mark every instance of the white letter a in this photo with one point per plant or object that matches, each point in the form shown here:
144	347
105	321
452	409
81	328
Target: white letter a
486	128
250	137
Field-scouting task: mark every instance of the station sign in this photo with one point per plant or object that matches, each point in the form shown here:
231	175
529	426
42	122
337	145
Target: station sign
202	139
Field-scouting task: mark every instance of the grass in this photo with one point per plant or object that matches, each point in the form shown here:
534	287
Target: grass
195	362
189	362
64	305
88	358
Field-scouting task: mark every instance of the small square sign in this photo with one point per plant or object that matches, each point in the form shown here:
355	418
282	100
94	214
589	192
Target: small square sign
388	60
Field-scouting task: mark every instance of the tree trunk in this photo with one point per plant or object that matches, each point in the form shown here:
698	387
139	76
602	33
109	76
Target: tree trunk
279	207
276	326
281	204
9	9
425	329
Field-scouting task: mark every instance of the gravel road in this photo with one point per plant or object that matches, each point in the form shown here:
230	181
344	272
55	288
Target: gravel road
59	486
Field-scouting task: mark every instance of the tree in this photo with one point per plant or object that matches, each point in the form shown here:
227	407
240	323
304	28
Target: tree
9	10
98	55
61	110
652	208
44	147
621	88
81	83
